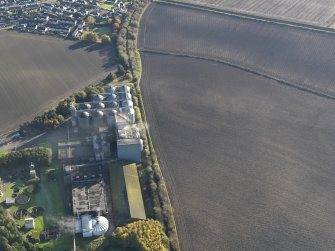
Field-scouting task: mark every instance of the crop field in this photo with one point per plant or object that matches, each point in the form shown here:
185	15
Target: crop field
248	160
316	12
36	71
273	50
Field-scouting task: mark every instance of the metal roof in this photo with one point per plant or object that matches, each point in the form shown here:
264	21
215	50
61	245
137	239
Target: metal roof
134	193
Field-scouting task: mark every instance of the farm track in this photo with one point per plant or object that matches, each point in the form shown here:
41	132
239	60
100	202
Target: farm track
37	71
248	161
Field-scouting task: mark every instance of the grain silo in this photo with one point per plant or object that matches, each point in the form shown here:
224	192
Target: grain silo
110	89
98	118
100	105
84	120
98	98
111	118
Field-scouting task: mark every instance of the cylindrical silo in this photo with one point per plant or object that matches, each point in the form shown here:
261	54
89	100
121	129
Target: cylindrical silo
84	120
98	118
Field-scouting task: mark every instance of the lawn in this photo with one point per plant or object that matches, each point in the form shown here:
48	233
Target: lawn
107	6
101	30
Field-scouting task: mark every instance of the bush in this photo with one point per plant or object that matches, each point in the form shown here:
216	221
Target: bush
91	36
146	235
106	39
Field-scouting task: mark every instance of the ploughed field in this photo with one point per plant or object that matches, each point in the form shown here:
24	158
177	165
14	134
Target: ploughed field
36	71
315	12
249	161
302	57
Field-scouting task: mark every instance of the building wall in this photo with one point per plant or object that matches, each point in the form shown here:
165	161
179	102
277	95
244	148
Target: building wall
131	152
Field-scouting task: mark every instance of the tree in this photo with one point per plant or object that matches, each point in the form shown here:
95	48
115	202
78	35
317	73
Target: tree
105	39
90	20
120	70
116	26
91	36
144	235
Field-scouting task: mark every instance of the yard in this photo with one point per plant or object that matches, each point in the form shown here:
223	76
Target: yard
47	194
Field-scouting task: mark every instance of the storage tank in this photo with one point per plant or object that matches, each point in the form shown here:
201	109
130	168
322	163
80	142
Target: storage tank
111	97
113	104
111	118
100	105
73	115
110	89
128	96
84	120
98	118
101	226
131	115
127	103
87	106
98	98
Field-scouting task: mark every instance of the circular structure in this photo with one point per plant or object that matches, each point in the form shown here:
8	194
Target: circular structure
37	211
101	105
85	114
111	97
98	97
20	213
101	226
87	106
110	89
99	114
22	199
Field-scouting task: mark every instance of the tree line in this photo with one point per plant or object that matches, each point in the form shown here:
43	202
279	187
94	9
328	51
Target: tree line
40	156
56	116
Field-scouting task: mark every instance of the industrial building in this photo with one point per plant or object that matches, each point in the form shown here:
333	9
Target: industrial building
112	112
91	226
134	194
88	188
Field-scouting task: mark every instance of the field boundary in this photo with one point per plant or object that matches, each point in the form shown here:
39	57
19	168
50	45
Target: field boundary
241	15
297	86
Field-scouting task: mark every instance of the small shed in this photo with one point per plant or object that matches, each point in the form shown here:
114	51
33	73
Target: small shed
29	223
10	201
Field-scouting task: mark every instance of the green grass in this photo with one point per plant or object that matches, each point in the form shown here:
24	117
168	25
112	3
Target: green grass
3	152
119	199
107	6
101	30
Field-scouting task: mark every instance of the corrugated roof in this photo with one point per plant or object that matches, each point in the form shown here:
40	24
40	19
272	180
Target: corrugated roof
134	193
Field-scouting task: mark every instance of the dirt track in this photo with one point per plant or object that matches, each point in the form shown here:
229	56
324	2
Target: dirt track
248	161
36	71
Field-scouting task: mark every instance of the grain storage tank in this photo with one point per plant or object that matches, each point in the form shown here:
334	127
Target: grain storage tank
87	106
111	97
111	118
73	115
98	98
100	105
101	226
128	96
127	103
98	118
110	89
84	120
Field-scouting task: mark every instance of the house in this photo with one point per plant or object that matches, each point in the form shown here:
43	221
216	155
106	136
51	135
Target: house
10	201
29	223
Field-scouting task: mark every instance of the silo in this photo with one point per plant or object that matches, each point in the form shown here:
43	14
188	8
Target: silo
131	115
111	118
101	226
100	105
111	98
113	104
73	115
98	98
98	118
127	103
128	96
84	120
87	106
110	89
